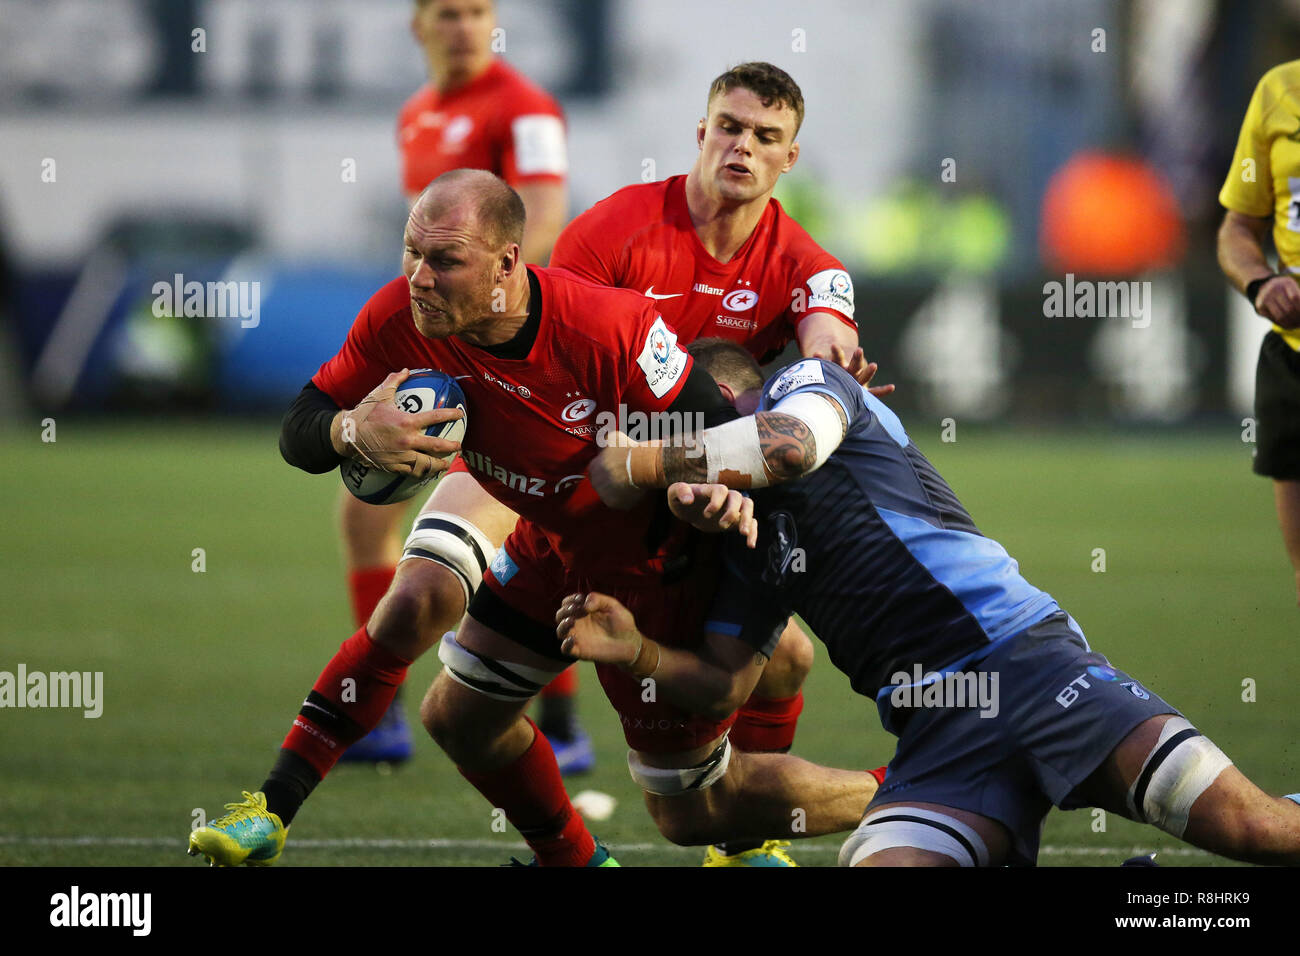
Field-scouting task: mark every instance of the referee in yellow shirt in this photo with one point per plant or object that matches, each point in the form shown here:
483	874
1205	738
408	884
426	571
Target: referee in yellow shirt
1263	187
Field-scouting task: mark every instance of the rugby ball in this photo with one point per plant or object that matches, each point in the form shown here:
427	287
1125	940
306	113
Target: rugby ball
423	390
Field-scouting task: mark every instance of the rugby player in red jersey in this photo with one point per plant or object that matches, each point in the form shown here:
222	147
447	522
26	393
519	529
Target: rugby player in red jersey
523	342
475	112
721	258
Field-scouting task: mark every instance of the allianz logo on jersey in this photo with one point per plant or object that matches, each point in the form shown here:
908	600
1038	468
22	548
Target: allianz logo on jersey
737	300
521	390
538	487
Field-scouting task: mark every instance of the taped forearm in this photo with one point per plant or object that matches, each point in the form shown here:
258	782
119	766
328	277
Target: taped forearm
752	452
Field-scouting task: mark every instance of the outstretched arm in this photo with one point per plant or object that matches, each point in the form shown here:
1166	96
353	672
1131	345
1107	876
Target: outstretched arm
762	449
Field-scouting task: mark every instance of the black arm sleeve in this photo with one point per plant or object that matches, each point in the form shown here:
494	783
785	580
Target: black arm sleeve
305	432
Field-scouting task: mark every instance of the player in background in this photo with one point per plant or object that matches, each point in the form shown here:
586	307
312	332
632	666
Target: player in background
1260	191
475	112
468	305
720	257
1001	707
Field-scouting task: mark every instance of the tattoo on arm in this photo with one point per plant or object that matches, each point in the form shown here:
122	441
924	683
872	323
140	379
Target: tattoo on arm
787	444
679	466
789	449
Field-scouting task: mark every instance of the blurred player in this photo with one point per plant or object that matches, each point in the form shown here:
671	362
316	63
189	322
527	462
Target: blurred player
476	112
720	257
1001	707
1261	190
469	306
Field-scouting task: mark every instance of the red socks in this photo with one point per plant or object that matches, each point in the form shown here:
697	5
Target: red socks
564	684
767	724
347	701
366	587
533	798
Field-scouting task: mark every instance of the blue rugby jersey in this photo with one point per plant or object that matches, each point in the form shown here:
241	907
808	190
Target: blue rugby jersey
874	551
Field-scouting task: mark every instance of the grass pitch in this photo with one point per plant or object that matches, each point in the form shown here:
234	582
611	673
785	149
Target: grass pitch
204	670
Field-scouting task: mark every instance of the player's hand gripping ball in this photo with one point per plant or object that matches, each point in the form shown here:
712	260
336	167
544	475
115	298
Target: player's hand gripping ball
424	390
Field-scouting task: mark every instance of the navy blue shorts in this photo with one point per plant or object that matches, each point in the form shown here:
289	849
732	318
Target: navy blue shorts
1060	711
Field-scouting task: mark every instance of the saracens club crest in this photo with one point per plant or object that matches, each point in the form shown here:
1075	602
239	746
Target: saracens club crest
578	410
739	300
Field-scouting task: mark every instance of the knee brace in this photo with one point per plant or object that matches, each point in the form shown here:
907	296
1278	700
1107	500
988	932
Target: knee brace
671	782
1180	767
902	826
500	680
453	542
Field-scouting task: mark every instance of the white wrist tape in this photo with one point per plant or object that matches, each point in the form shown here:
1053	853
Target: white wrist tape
819	414
734	447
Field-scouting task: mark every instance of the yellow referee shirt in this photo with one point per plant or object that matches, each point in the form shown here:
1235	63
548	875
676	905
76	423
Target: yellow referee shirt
1265	176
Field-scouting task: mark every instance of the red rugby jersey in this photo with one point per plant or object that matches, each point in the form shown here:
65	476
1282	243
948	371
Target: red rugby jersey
642	238
533	422
498	121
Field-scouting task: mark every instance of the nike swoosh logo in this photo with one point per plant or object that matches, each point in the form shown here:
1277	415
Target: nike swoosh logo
650	293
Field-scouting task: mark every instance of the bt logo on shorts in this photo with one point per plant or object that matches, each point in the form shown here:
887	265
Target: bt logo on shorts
1098	672
1069	694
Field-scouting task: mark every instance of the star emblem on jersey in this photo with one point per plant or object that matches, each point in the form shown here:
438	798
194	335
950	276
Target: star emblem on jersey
659	346
650	294
577	411
662	362
739	300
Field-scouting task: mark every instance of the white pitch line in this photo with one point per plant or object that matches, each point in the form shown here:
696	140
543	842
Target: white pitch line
505	845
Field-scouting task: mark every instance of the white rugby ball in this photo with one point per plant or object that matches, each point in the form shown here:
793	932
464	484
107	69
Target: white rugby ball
424	389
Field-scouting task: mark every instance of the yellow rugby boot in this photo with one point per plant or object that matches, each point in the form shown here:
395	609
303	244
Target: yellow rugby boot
771	853
249	834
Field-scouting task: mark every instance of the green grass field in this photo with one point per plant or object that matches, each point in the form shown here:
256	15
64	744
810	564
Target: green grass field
203	672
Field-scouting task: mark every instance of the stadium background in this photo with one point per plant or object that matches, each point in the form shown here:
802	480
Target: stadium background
1110	455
